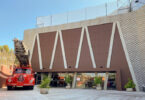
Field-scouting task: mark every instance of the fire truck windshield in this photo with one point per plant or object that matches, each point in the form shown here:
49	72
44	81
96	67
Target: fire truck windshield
27	71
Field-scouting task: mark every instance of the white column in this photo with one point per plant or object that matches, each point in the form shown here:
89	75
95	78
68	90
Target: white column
79	49
111	45
42	76
62	49
90	48
74	80
53	52
106	80
109	54
39	52
49	75
31	52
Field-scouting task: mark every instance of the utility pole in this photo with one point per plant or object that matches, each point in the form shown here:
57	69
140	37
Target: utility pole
130	5
106	8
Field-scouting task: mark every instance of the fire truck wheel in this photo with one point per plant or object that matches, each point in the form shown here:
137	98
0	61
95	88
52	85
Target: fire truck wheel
9	87
31	87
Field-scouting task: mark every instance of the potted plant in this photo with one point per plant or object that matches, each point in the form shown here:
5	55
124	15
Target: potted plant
68	81
129	85
44	86
98	82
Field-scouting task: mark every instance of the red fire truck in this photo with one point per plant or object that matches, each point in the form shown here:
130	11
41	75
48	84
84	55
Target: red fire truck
22	76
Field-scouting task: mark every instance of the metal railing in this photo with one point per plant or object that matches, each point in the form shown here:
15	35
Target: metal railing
106	9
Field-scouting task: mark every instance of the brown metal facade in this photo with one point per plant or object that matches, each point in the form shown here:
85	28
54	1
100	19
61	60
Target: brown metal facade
100	40
46	45
118	59
71	40
85	58
35	59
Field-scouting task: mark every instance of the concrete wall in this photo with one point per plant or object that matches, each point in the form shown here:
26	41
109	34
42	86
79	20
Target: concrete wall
133	29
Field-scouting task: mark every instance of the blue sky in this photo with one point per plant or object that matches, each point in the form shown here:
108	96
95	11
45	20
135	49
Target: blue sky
19	15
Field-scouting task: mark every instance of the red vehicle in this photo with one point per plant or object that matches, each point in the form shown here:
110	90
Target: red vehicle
22	77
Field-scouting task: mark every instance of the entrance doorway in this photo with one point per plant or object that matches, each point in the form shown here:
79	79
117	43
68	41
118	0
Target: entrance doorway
111	85
37	78
58	79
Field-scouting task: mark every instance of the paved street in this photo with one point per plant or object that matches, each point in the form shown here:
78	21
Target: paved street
70	94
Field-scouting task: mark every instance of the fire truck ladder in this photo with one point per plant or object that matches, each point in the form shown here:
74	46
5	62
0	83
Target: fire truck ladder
21	52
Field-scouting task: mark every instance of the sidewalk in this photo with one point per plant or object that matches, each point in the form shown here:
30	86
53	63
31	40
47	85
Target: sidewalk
70	94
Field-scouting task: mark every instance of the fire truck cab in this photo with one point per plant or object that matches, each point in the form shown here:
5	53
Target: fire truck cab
22	77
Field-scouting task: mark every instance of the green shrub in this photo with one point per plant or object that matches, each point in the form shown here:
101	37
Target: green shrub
45	77
130	84
97	80
68	79
45	82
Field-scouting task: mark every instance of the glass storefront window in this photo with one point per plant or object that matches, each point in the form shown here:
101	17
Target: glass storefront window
58	79
85	80
111	81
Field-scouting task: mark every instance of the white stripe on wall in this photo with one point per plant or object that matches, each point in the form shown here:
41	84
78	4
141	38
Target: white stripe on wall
111	45
90	48
110	53
31	52
54	49
39	52
62	48
127	56
79	48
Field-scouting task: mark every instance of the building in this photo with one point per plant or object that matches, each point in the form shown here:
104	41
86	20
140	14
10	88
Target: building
112	47
7	60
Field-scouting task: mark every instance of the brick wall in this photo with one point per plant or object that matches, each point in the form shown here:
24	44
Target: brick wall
133	27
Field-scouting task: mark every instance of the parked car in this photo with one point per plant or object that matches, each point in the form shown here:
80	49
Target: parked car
22	77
